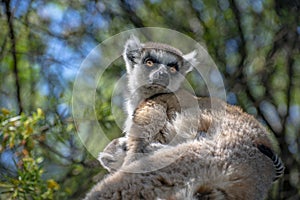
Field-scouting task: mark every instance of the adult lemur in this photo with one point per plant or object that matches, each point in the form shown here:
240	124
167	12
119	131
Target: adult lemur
212	153
152	68
155	73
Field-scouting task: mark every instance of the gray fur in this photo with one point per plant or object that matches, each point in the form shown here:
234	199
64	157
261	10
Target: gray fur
140	87
138	75
205	153
202	169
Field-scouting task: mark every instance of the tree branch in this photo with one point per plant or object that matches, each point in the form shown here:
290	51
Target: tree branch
2	48
13	52
290	62
136	20
242	49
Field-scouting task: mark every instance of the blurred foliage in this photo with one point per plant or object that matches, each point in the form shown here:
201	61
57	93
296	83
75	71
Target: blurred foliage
19	135
255	44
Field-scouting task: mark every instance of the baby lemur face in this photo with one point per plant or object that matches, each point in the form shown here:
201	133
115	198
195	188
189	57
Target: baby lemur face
155	67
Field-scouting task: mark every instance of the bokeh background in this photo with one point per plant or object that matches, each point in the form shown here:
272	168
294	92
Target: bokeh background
255	44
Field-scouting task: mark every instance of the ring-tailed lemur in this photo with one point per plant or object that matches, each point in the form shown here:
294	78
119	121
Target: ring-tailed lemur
149	72
155	71
230	161
202	169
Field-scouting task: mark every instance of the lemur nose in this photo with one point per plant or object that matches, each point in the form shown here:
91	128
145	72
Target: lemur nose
162	75
160	78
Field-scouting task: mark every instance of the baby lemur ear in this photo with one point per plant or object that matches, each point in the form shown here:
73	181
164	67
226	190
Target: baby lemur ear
132	52
190	61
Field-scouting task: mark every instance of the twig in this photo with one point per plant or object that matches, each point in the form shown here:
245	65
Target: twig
2	48
259	112
290	63
136	20
237	16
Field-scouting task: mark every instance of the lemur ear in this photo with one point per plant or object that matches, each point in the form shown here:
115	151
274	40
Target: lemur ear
190	61
132	52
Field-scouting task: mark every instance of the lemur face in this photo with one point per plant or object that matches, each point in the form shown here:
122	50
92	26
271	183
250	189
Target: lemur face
155	67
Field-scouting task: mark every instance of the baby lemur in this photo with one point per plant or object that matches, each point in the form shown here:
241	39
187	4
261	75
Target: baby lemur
159	112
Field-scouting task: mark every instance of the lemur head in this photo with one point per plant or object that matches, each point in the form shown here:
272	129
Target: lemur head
156	67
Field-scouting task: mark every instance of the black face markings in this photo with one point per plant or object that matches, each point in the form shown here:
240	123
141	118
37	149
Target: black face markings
150	59
149	56
173	64
173	67
153	58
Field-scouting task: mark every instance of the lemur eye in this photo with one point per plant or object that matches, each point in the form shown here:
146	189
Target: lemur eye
149	63
173	69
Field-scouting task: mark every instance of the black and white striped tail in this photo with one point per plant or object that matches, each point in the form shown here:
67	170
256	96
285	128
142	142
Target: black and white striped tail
278	164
